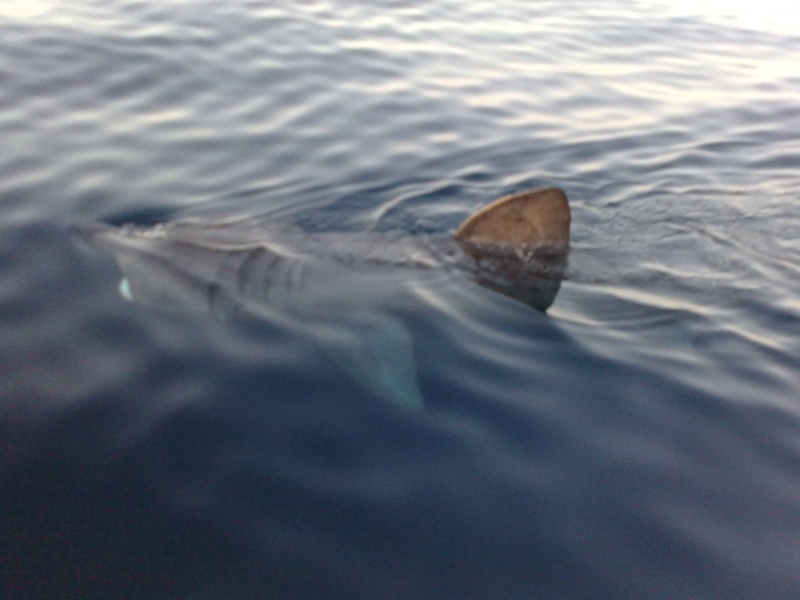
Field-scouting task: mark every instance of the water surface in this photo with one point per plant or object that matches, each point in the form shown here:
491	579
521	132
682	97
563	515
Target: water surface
639	441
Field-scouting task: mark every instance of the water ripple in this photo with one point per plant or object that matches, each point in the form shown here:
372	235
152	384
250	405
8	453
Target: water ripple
639	441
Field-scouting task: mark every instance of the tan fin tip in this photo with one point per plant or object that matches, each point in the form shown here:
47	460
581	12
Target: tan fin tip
534	218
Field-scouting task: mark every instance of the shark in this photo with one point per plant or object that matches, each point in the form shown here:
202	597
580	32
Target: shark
516	245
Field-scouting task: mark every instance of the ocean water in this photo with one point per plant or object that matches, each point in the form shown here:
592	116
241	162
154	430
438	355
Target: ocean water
640	440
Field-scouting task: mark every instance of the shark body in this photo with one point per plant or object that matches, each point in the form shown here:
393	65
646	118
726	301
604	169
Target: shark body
516	246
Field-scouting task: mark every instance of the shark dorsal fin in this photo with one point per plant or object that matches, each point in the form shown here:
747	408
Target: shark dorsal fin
532	218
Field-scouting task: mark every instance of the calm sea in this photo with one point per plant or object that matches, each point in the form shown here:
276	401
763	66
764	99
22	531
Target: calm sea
641	440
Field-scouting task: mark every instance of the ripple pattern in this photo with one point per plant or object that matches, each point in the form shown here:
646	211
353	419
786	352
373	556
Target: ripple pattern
640	441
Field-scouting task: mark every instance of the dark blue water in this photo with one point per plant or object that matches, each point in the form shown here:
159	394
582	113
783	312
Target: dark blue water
642	440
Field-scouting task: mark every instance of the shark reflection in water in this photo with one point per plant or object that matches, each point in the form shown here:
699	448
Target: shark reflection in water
516	246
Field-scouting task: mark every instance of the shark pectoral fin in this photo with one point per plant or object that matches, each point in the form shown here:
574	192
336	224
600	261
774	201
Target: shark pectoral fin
533	218
377	352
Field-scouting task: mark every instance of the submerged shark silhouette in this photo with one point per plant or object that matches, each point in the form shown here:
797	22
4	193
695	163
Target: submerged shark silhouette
516	246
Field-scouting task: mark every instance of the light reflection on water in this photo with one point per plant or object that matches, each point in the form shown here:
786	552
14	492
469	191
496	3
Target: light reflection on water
771	16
